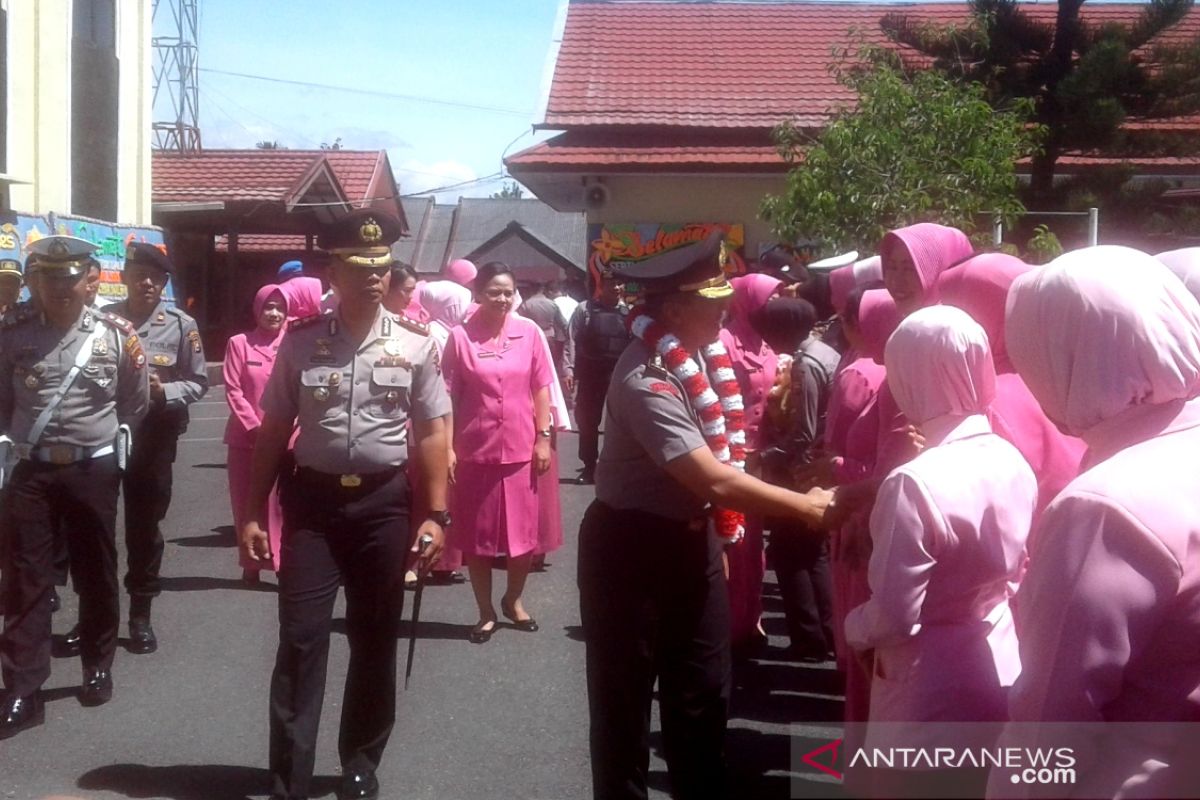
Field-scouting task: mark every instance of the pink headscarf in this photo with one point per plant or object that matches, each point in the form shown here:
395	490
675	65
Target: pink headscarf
260	301
843	280
933	248
979	286
446	303
462	272
415	308
1186	264
938	364
750	293
877	319
303	297
1102	330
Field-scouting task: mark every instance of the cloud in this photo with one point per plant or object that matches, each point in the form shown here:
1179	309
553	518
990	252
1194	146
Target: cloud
418	177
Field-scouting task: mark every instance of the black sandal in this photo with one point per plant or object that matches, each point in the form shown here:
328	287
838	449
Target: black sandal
480	634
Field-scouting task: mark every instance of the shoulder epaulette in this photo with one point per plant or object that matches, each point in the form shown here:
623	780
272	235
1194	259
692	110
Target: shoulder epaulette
176	311
412	325
118	322
304	322
656	364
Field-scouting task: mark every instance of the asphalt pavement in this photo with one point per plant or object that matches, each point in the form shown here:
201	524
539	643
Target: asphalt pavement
507	719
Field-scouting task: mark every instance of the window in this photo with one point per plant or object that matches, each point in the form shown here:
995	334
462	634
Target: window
95	22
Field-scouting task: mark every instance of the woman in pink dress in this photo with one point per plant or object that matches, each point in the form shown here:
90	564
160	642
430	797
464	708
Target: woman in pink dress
249	359
980	286
754	363
500	378
915	256
1108	341
948	533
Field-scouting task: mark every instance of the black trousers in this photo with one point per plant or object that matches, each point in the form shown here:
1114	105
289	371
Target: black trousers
591	389
355	537
654	605
147	490
800	558
79	499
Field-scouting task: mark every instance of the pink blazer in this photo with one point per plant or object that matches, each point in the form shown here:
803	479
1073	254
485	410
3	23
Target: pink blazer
249	359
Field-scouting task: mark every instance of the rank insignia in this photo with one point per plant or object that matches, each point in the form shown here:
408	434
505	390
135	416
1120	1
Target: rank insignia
194	338
159	360
100	347
323	347
133	346
161	318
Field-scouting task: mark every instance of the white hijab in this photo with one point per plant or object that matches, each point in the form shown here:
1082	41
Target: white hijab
446	303
1186	264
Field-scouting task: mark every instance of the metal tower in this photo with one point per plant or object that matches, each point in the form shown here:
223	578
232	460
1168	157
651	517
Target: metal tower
175	75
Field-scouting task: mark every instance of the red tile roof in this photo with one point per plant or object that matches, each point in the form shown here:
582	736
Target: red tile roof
257	174
610	151
263	243
731	65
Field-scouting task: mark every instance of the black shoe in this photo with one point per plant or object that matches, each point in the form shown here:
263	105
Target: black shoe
71	642
528	625
480	634
21	713
443	578
141	636
97	687
586	478
359	786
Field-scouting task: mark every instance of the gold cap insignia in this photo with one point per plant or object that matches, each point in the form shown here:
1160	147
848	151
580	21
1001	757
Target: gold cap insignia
370	230
58	249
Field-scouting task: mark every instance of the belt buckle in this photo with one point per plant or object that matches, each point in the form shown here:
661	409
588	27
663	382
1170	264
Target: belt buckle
61	454
350	481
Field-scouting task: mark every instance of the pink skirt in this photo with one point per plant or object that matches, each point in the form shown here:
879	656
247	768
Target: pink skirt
238	460
746	567
495	509
550	529
850	590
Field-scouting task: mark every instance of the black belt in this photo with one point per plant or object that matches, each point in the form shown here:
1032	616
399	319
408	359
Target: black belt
350	481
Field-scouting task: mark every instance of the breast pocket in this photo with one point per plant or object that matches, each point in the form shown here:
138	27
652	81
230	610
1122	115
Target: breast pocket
99	377
321	390
390	390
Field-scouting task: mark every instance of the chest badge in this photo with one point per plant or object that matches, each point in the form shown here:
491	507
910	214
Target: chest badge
323	347
100	347
393	347
160	360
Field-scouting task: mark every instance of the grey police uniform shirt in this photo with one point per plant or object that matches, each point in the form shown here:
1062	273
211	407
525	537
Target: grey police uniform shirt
111	389
353	400
648	422
173	350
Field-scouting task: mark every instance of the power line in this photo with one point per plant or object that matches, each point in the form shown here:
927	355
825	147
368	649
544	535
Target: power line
495	176
371	92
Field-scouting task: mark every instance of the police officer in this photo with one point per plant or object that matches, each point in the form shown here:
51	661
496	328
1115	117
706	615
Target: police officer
177	379
651	584
69	377
597	337
350	380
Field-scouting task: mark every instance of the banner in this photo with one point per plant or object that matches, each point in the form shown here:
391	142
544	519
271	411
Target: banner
626	245
19	231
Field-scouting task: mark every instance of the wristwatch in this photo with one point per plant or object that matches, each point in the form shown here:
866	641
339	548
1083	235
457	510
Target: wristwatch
545	433
440	517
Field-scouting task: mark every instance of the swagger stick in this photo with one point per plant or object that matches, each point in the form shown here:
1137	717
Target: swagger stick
422	544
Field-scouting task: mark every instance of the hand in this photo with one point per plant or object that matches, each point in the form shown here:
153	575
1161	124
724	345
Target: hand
850	498
541	455
255	543
434	551
569	380
819	502
915	438
157	393
451	464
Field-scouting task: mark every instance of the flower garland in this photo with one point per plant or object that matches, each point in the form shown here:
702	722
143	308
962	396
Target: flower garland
722	412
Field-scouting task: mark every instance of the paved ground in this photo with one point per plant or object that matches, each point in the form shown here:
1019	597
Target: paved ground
504	720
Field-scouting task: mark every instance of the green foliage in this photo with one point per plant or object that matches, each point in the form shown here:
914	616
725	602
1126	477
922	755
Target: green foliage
509	191
914	149
1043	246
269	145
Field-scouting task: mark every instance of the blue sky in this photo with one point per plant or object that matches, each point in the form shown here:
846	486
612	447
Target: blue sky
488	54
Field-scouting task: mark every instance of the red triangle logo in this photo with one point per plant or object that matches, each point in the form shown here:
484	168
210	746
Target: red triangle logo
810	758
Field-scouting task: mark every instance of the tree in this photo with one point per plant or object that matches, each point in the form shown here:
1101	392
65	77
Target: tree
269	145
1086	80
337	144
915	148
509	191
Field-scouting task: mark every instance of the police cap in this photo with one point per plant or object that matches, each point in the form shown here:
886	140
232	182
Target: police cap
67	255
10	266
152	255
698	268
362	238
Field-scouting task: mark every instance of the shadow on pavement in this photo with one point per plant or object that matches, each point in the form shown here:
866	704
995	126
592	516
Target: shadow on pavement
222	536
204	583
187	781
210	466
425	630
574	632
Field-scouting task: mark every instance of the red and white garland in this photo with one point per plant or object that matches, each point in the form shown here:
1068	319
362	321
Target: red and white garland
722	412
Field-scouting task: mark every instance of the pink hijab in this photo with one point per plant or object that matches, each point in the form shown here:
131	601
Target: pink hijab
302	296
933	248
462	272
750	294
1093	341
877	319
843	280
980	287
939	364
1185	263
258	335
